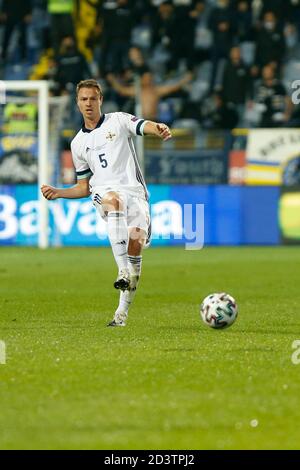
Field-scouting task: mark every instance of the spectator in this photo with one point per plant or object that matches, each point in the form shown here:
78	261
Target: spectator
236	83
164	30
270	43
143	9
137	67
116	35
136	61
183	45
15	14
71	66
243	20
293	13
291	35
280	8
216	114
272	100
61	21
203	36
223	27
150	93
41	24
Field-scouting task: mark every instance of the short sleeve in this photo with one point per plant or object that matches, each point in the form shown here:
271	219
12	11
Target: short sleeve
133	124
81	166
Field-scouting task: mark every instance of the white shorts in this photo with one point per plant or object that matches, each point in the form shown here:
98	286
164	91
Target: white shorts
136	210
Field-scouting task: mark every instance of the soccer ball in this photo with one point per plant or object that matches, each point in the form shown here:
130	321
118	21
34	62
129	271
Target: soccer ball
219	310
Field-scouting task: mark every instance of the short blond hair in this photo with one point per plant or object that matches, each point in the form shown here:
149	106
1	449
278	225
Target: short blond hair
90	83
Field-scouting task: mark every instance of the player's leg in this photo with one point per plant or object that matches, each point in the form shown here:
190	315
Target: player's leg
114	208
138	219
137	239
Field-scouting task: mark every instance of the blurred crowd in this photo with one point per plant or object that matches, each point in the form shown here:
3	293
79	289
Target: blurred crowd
214	64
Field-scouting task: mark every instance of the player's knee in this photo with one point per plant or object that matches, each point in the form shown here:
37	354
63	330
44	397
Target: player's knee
136	241
112	202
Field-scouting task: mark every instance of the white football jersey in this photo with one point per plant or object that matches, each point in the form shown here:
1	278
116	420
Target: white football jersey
107	154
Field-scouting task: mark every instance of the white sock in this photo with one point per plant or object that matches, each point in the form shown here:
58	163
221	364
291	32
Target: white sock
118	236
127	296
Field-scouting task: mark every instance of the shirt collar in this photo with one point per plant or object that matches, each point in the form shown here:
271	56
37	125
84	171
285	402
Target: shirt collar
84	129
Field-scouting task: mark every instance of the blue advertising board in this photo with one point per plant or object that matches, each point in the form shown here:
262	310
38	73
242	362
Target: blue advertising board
201	166
213	215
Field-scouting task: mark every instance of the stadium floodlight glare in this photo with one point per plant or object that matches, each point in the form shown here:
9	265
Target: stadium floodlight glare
41	87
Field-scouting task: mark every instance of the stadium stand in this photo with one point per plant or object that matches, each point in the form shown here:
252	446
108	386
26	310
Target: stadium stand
104	33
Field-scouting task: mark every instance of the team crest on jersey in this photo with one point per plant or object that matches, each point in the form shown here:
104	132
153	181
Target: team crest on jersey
132	118
110	136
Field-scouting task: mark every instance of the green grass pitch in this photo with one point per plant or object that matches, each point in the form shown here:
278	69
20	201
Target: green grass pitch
166	381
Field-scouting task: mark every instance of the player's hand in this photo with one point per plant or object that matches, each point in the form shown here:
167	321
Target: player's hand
163	131
49	192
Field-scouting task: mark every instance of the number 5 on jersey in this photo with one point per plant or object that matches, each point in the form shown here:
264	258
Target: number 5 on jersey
103	161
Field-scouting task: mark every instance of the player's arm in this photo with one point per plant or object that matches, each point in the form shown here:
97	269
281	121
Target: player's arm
137	126
159	129
81	189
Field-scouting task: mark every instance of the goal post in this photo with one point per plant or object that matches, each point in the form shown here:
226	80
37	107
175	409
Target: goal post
41	87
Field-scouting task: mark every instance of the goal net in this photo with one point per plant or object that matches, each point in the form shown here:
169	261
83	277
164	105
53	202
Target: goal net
30	126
